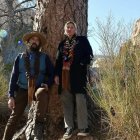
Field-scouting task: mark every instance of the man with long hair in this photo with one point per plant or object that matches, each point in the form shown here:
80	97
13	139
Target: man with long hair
31	77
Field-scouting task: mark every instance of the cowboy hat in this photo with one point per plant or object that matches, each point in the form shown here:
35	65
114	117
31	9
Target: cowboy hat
27	36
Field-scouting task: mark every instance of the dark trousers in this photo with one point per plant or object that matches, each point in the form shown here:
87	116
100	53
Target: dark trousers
21	101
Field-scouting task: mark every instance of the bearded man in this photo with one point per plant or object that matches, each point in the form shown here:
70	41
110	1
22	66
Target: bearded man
31	77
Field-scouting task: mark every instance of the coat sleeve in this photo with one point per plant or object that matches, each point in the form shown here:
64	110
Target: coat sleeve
14	78
59	60
88	53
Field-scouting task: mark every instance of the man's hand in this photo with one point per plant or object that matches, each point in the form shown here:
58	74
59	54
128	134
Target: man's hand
11	103
45	86
56	80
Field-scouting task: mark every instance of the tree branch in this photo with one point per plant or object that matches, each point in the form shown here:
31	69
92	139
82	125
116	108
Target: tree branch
19	32
22	3
3	10
24	9
3	23
4	15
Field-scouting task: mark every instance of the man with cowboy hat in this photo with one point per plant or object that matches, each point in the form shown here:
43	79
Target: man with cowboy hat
31	77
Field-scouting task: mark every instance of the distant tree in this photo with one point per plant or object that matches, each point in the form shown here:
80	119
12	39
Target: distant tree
110	34
16	19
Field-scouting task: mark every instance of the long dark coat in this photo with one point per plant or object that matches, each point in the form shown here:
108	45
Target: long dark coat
78	69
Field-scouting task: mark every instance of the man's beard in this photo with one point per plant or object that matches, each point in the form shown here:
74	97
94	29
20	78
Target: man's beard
34	47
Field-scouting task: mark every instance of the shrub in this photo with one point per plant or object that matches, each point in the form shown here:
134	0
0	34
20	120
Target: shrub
120	93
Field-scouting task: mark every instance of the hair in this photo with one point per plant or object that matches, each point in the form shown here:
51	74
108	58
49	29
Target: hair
70	22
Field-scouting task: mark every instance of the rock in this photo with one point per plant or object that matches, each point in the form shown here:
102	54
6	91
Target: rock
135	37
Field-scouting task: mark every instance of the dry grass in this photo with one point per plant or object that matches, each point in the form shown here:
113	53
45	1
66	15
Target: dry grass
3	86
120	94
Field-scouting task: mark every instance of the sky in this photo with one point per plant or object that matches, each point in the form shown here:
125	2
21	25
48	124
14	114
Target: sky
128	10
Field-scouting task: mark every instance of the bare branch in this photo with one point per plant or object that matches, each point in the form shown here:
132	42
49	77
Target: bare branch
24	9
3	23
22	3
22	29
3	10
4	15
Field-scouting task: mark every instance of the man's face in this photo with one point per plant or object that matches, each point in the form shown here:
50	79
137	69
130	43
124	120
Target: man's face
34	43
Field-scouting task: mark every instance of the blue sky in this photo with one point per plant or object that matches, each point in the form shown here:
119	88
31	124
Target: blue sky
129	10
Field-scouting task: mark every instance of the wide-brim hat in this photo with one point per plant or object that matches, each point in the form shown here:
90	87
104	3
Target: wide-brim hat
27	36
